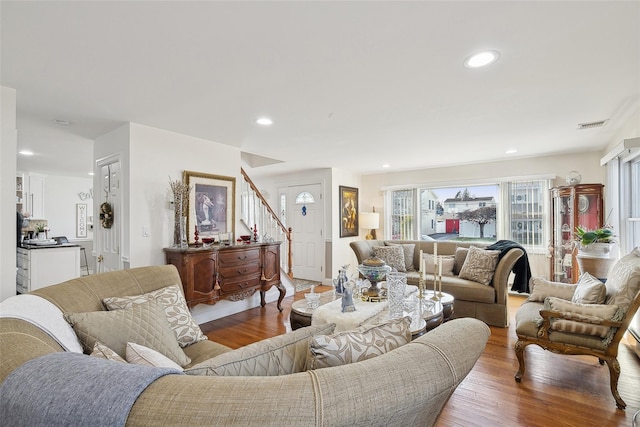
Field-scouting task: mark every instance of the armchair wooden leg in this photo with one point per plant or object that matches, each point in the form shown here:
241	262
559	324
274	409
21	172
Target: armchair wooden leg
614	375
519	347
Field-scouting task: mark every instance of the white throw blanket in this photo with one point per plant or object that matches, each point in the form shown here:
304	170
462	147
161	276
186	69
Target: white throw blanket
332	312
43	314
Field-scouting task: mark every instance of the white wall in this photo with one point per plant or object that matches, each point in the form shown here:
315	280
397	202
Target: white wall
60	200
8	152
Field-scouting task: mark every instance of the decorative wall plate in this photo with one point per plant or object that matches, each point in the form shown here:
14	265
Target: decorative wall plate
583	203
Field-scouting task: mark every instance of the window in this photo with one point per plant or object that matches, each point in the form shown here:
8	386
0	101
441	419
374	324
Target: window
526	213
473	212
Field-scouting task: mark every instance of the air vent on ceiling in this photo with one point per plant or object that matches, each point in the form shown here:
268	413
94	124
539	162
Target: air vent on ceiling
591	125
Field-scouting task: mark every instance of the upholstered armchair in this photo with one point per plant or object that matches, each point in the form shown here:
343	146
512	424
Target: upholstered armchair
588	318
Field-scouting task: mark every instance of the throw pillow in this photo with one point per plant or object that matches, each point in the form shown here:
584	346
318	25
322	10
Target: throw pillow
589	290
408	249
175	307
447	264
281	355
460	257
144	324
479	265
624	280
362	343
392	255
141	355
589	312
543	288
101	351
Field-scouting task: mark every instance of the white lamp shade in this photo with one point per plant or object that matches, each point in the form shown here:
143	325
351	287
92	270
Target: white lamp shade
369	220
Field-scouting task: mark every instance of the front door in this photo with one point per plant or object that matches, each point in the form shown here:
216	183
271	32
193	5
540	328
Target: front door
109	236
307	237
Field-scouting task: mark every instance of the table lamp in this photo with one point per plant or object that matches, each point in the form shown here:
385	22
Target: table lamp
370	221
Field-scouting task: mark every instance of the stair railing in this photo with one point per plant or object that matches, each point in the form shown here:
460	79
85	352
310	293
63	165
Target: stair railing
256	212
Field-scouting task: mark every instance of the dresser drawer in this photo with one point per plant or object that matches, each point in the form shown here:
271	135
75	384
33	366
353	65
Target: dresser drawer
227	258
236	272
233	286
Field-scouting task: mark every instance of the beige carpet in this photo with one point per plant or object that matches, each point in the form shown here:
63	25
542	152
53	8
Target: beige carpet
304	284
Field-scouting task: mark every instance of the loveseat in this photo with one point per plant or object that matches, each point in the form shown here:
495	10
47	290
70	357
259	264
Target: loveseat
395	388
472	299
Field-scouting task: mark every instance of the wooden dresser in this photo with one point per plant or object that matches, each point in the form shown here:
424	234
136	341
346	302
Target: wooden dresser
227	272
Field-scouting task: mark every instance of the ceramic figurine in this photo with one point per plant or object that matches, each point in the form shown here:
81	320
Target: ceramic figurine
347	297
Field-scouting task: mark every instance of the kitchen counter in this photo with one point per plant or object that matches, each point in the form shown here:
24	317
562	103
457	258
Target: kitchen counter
46	265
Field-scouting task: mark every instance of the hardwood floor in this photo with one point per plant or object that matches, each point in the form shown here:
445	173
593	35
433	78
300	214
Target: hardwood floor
555	390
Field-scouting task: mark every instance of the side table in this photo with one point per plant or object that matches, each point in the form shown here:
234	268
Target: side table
301	314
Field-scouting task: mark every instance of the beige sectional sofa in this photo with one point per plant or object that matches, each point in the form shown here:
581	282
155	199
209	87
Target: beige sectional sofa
472	299
395	388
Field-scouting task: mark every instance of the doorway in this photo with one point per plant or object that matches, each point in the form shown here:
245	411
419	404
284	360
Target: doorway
304	213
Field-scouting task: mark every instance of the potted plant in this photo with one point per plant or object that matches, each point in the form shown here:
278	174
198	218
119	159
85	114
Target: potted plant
40	230
595	250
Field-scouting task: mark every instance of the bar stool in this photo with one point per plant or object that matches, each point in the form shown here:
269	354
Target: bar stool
86	263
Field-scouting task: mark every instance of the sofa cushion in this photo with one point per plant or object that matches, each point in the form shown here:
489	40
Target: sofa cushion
362	343
145	356
447	264
543	288
144	324
103	352
589	290
408	249
280	355
468	290
175	307
393	255
480	265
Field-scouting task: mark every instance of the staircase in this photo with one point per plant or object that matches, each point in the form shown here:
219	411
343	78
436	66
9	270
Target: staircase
255	212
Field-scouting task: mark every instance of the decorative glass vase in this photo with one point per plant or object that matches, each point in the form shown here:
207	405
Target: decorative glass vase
396	284
180	238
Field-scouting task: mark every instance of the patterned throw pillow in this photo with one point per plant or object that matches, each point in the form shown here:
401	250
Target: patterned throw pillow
101	351
144	324
589	290
175	307
543	288
145	356
408	249
280	355
479	265
624	280
359	344
392	255
447	264
592	312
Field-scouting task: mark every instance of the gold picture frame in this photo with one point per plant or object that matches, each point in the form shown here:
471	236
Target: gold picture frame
212	200
349	211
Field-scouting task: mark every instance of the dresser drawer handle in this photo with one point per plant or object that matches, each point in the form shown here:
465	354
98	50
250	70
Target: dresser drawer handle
243	271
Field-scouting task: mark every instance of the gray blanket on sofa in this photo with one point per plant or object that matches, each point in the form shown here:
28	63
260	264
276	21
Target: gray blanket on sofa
71	389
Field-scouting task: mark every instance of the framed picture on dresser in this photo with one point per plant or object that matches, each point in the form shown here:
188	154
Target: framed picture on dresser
211	204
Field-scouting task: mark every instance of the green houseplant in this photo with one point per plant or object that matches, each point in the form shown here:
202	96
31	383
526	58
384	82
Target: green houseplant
595	249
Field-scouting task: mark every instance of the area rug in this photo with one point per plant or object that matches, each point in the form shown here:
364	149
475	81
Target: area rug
304	284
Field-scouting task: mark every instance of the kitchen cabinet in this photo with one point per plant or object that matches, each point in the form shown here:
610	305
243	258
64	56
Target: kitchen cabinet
20	194
30	195
45	266
233	273
572	206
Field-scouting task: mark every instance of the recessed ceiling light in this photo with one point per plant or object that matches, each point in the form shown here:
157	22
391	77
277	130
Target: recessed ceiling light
62	122
26	152
91	173
481	59
265	121
512	151
386	166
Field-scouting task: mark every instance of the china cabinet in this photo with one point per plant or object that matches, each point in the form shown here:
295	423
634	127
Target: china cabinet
572	206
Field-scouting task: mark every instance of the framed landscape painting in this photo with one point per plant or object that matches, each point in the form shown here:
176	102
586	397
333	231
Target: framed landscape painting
211	204
348	211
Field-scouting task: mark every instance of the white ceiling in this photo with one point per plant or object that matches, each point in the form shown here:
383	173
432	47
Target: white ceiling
348	84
